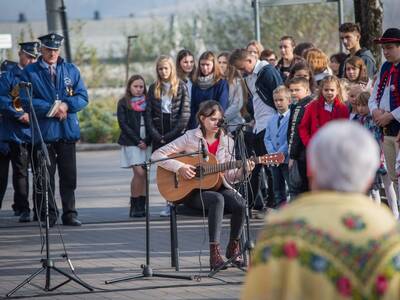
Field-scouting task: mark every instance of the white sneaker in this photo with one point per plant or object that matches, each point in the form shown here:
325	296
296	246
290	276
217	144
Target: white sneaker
166	212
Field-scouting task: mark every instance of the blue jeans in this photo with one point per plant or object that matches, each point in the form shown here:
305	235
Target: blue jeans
280	175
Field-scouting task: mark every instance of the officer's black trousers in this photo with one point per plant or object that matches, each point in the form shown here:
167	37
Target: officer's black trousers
19	155
63	157
4	165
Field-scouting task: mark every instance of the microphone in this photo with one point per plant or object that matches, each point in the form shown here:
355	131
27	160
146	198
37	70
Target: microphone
25	84
204	152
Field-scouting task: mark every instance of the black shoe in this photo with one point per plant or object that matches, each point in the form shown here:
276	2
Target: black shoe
71	221
25	217
17	213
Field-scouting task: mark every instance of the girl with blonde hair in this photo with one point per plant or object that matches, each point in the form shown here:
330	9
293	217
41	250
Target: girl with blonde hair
167	109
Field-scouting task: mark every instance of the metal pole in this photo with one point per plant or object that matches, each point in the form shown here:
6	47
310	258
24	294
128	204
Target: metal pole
341	21
53	16
128	51
256	6
64	22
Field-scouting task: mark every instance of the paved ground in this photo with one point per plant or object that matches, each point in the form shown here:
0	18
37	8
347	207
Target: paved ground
111	245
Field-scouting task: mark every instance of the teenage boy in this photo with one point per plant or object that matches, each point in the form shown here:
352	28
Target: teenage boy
301	96
350	35
261	80
276	141
384	102
286	48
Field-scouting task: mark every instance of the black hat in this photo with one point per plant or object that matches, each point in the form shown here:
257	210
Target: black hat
7	65
391	35
30	48
51	40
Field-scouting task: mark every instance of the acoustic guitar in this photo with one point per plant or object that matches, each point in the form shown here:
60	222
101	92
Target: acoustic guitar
174	188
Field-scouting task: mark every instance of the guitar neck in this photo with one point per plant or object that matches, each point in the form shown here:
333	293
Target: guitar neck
221	167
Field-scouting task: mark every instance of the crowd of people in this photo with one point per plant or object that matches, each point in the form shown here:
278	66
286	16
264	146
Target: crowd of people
284	103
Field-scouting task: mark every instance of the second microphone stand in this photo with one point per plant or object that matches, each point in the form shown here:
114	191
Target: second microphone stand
147	270
248	245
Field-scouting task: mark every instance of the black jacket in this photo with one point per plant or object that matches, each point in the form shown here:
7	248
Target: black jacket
180	114
129	122
268	79
297	150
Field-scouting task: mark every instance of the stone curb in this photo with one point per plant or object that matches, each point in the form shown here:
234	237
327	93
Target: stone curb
96	147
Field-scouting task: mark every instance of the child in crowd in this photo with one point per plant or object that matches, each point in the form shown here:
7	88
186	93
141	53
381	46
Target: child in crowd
301	97
335	61
356	71
133	140
275	140
318	62
364	118
186	68
208	85
237	91
327	107
167	111
302	69
353	93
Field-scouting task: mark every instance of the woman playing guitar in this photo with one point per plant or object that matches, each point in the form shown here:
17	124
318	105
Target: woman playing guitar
225	198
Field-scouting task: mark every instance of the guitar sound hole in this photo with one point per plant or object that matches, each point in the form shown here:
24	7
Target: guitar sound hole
199	171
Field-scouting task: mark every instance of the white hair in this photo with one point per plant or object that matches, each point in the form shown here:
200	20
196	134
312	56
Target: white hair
343	156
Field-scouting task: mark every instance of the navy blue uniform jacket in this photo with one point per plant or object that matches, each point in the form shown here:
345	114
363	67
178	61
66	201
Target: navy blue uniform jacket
69	88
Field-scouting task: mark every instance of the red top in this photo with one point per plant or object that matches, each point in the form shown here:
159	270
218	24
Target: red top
316	116
213	147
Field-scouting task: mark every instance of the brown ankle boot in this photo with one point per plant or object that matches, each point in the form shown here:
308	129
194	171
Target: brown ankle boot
216	260
233	249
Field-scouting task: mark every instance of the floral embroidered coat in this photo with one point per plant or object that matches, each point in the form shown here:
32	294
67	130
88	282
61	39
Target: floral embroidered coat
328	246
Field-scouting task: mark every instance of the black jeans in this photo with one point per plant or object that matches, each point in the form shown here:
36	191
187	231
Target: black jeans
19	154
259	149
4	166
63	156
216	202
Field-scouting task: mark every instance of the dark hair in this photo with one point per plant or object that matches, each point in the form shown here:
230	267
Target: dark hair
207	109
340	57
350	27
303	65
237	55
266	53
302	47
290	38
181	55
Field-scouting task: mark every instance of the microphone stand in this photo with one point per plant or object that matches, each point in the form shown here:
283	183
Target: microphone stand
47	263
248	245
147	270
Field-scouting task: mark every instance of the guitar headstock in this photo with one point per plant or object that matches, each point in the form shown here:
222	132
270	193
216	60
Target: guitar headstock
273	159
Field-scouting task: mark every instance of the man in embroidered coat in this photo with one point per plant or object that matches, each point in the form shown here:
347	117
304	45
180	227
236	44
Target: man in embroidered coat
334	242
384	102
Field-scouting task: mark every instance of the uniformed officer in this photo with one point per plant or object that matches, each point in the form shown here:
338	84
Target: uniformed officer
54	79
5	66
16	128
